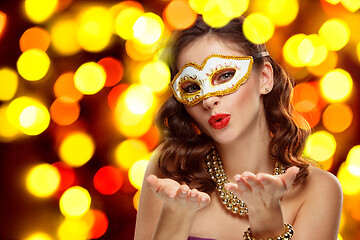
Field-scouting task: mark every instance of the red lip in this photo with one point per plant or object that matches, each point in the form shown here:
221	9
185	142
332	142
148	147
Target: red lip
219	121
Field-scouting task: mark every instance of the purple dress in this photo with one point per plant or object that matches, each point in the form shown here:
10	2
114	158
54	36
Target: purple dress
197	238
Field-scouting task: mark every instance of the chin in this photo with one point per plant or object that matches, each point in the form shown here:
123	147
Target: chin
223	138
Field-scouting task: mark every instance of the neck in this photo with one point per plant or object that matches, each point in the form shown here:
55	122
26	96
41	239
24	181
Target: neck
248	153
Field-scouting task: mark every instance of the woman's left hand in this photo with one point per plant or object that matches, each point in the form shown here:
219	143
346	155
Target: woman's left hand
262	194
262	190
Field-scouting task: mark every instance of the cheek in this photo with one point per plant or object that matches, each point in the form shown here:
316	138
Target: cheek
197	114
193	112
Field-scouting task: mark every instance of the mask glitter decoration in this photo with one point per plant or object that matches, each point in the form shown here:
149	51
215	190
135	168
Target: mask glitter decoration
216	76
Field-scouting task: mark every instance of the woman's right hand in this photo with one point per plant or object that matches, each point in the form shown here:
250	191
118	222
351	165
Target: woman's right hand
176	196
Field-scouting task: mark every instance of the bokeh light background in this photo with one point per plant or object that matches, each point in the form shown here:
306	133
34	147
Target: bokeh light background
81	82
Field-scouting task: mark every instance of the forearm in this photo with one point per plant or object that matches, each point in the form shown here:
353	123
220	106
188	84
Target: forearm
266	222
173	224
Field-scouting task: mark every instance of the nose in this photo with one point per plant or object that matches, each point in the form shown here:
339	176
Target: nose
211	102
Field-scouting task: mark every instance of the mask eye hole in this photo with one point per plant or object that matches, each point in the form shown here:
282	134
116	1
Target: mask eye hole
223	76
190	87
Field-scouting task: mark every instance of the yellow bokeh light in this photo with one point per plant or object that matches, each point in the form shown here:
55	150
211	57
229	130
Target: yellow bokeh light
136	199
123	114
291	50
282	12
125	21
334	2
43	180
258	28
337	117
33	64
329	63
351	5
215	17
95	29
139	99
131	124
320	50
8	83
137	173
39	236
64	36
306	51
138	51
40	10
320	146
349	181
90	78
137	130
202	6
34	120
155	75
339	237
233	8
336	85
353	157
7	130
148	28
74	229
28	115
16	107
130	151
336	34
77	149
75	202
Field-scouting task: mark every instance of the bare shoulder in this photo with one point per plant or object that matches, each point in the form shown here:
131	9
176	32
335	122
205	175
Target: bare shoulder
321	205
153	166
149	205
322	181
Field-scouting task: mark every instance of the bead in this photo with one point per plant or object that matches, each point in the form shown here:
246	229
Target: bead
235	210
217	174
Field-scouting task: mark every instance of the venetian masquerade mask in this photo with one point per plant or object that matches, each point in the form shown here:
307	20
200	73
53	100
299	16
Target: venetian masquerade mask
216	76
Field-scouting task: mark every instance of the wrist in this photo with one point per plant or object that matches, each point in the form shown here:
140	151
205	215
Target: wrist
287	234
267	222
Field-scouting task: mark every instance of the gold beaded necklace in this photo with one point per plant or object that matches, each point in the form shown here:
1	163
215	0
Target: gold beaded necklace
216	171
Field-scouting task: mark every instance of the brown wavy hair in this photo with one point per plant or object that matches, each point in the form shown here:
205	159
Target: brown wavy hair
185	147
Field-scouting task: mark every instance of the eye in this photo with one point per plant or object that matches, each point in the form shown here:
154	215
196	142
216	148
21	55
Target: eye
223	76
190	87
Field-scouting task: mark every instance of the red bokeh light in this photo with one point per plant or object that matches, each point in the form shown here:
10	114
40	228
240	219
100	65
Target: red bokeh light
108	180
67	175
115	94
100	224
114	70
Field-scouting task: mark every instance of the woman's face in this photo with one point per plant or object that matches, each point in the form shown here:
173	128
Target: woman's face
227	118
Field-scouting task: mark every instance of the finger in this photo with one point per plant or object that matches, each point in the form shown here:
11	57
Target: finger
289	177
153	183
271	184
194	196
232	187
182	192
204	199
253	182
243	185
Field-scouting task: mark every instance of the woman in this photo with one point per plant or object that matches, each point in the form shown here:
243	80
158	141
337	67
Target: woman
228	128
